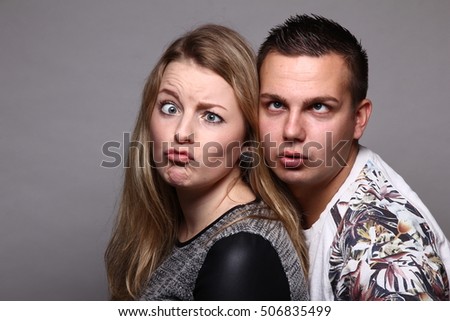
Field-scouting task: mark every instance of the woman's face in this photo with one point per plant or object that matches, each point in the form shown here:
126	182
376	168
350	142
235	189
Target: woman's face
197	128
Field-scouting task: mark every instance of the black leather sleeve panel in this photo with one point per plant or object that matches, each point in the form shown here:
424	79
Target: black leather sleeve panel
243	266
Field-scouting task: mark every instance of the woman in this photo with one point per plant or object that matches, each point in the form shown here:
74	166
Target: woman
193	224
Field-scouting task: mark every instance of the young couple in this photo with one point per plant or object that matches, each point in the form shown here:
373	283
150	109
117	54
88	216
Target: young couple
320	218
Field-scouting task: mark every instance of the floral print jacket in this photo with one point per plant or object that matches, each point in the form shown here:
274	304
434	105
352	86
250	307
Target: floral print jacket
384	249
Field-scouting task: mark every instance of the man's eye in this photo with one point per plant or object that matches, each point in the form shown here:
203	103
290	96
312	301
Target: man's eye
212	117
320	108
169	108
275	105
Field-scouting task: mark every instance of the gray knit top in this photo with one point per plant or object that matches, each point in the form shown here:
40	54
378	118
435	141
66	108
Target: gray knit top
243	255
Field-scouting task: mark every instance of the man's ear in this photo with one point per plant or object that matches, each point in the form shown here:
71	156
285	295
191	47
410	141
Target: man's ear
362	115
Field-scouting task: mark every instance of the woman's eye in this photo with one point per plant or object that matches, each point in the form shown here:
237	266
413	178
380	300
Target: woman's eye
275	105
169	109
212	117
320	108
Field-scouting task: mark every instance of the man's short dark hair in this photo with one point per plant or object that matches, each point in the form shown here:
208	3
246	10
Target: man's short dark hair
315	36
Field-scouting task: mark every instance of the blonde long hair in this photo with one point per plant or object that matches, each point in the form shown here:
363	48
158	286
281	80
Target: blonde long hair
149	213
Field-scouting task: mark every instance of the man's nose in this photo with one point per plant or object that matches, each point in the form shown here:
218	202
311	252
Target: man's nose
294	128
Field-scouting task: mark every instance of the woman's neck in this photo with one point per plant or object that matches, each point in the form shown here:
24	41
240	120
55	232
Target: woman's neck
201	207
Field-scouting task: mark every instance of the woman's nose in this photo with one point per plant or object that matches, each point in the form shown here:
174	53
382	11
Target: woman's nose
185	132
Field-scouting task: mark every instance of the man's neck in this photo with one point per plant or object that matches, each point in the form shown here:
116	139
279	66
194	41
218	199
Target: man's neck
314	199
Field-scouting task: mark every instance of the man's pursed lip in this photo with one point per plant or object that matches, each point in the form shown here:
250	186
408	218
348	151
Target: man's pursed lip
291	159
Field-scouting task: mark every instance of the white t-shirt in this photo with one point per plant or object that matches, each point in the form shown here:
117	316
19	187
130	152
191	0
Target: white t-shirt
376	240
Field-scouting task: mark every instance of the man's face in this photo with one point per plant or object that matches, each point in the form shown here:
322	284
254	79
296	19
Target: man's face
306	118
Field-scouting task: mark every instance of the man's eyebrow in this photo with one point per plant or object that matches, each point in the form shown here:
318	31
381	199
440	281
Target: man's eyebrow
273	97
306	102
320	99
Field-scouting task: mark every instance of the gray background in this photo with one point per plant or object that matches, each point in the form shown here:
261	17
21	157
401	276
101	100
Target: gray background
71	75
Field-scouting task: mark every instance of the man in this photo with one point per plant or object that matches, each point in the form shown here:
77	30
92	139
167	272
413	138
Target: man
369	235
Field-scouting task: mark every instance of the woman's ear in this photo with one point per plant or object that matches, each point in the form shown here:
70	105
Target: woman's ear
362	115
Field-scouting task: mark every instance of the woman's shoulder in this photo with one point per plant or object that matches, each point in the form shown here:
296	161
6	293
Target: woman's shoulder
251	220
254	218
242	266
254	225
251	237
